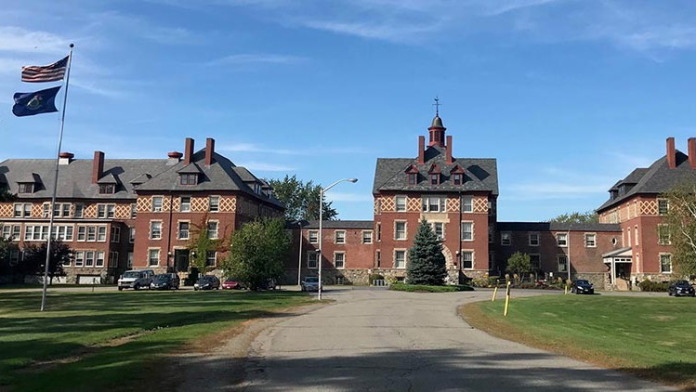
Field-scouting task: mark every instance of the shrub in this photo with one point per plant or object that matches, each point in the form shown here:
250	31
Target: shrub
480	282
374	277
649	285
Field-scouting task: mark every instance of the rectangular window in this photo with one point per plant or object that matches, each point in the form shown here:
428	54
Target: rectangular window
400	259
467	259
312	259
457	178
156	203
535	261
665	263
185	204
467	231
378	259
131	234
81	233
89	258
533	239
133	210
340	260
183	230
412	178
189	179
115	234
105	210
663	237
434	204
79	258
23	210
662	206
505	239
435	179
439	229
155	230
99	262
562	263
379	232
313	237
400	203
91	234
467	204
26	187
210	257
399	230
153	256
107	189
212	230
113	259
635	232
367	237
101	233
129	261
79	210
340	237
214	203
590	240
562	239
46	210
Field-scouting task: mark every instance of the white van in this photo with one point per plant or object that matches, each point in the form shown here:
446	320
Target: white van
136	279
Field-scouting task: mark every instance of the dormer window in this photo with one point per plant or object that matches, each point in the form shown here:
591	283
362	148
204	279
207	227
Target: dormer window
107	189
412	178
188	179
26	187
457	178
435	179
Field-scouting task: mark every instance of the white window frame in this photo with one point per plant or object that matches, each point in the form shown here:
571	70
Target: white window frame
79	258
462	255
590	240
115	234
562	267
313	236
405	231
397	204
129	260
182	204
343	260
470	237
563	243
157	204
99	258
21	210
79	211
214	203
467	203
150	257
210	258
213	229
312	259
179	231
434	204
659	237
531	240
636	235
405	259
131	234
668	255
113	259
340	237
441	225
367	236
662	203
154	223
106	211
101	233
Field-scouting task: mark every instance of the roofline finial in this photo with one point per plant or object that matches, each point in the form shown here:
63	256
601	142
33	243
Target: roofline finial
437	106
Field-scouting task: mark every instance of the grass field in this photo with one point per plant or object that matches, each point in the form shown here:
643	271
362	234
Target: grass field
111	340
652	337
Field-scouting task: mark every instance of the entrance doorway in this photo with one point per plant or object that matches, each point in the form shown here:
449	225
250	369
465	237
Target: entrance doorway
181	260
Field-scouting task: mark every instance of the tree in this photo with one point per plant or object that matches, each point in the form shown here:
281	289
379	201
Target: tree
426	263
258	252
6	246
519	263
301	200
200	244
681	218
577	217
35	259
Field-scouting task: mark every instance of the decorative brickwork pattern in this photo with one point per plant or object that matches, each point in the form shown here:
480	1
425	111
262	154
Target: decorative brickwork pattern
228	204
6	210
166	205
413	204
199	204
122	211
648	207
452	204
90	211
37	210
377	206
388	204
481	205
176	204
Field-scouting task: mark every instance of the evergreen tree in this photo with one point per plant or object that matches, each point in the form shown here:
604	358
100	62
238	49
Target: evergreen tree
519	263
426	263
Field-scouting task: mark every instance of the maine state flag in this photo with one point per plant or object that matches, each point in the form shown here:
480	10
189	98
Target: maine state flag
29	104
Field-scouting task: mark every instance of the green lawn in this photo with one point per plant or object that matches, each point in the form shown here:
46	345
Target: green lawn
653	337
76	344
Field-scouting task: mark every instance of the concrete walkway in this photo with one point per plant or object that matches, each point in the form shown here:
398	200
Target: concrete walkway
379	340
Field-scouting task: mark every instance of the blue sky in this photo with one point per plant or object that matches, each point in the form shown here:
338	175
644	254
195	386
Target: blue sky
568	95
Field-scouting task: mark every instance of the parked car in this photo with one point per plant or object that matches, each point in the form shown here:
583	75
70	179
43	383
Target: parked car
231	284
582	286
268	284
165	281
310	283
207	282
135	279
681	288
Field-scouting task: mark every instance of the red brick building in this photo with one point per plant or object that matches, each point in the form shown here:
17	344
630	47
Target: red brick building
130	213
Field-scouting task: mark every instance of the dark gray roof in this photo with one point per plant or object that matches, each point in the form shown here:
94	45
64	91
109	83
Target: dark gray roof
339	224
108	179
616	252
656	179
75	179
191	168
480	174
557	226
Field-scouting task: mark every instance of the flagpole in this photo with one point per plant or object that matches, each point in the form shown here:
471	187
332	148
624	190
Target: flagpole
55	183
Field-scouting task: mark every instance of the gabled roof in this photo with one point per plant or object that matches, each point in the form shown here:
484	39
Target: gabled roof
655	180
191	168
75	178
108	179
479	174
32	178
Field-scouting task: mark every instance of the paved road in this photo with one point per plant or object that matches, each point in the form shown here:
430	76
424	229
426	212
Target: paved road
378	340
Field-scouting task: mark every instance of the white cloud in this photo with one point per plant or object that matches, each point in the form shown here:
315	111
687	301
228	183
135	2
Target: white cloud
260	58
17	39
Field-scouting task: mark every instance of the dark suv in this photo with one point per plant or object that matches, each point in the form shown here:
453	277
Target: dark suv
165	281
207	282
681	288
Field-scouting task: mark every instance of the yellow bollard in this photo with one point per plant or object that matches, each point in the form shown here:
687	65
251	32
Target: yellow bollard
495	291
565	292
507	299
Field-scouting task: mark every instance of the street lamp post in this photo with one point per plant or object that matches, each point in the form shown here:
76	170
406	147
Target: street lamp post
321	217
299	257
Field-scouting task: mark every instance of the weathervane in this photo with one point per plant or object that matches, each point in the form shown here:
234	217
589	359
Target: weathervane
437	106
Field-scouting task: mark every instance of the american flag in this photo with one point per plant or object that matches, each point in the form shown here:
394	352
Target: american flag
45	73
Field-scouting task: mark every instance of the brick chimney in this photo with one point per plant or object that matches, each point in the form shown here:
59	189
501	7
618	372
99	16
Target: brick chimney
97	166
448	150
188	151
209	151
421	150
671	153
64	158
692	152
